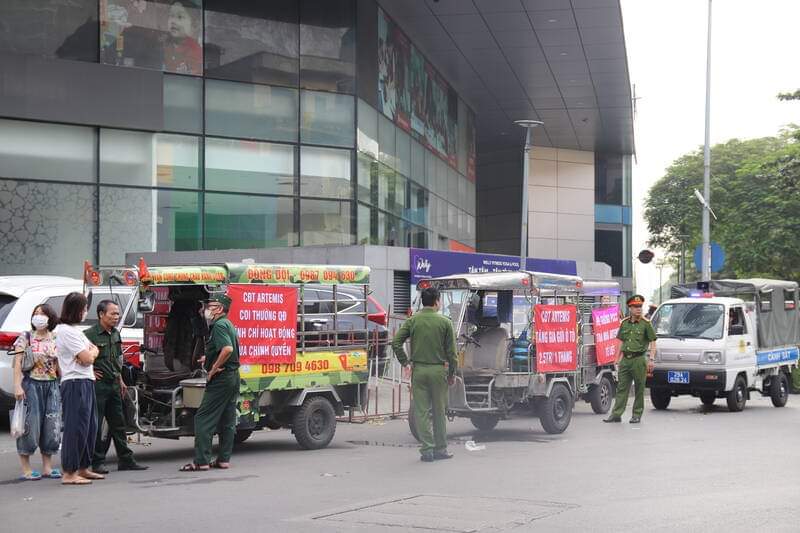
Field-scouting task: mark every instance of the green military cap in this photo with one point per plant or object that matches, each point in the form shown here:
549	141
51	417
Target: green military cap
635	301
222	299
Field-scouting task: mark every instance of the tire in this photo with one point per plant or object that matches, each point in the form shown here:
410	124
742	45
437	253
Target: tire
242	435
484	422
556	411
314	424
602	396
779	390
737	397
660	398
708	398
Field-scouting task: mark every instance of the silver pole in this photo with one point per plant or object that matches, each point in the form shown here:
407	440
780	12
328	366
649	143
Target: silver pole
706	262
523	244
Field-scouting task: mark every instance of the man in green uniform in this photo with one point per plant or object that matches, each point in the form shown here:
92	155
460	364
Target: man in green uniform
638	338
433	359
217	411
109	389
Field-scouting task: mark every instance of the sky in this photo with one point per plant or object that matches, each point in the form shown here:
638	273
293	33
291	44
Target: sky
753	58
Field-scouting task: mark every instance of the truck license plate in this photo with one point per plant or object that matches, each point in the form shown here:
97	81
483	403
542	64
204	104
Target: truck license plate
674	376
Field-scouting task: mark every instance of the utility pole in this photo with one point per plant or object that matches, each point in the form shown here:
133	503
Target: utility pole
706	262
529	125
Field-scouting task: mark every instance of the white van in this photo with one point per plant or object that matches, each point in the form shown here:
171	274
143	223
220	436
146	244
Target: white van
725	341
19	296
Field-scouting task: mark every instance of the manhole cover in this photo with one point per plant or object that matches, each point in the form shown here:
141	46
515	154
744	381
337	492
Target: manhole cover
448	513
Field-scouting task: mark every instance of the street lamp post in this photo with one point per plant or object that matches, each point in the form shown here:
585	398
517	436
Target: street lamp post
705	275
529	125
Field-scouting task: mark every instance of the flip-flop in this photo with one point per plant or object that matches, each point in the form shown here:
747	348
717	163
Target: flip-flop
217	464
191	467
79	481
35	475
92	475
54	474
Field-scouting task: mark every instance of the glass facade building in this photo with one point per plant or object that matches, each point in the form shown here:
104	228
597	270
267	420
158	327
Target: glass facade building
612	236
265	136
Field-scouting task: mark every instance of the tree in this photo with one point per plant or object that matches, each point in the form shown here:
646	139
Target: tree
790	96
755	192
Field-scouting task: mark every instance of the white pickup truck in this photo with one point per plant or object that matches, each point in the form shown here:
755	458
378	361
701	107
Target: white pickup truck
736	337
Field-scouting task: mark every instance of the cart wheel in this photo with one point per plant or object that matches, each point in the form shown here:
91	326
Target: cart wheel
737	397
314	424
779	390
485	422
708	398
660	398
602	396
242	435
556	411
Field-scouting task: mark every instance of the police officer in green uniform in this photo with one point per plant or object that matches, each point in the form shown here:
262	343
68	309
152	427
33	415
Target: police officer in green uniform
217	411
433	359
638	339
109	389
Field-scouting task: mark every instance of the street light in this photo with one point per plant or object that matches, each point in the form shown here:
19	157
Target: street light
529	125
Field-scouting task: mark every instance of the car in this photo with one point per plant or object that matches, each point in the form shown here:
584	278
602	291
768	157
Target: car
19	296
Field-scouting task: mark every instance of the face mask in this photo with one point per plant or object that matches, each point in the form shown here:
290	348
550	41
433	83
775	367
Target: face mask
209	314
39	321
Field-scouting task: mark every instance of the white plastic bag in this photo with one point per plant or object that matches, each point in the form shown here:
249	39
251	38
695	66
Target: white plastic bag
18	420
471	446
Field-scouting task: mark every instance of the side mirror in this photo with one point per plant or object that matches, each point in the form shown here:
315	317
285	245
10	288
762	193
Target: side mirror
736	329
147	302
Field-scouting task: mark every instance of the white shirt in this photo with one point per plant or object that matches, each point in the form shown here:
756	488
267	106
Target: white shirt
70	341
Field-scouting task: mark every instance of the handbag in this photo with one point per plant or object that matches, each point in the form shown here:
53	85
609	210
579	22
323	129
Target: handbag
27	355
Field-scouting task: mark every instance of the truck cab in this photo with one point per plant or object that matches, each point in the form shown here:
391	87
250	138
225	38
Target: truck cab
711	346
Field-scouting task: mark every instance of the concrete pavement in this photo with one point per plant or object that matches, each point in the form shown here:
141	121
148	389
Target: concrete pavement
688	468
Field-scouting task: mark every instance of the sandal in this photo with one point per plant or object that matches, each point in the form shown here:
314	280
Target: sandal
54	474
92	475
33	476
217	464
79	481
191	467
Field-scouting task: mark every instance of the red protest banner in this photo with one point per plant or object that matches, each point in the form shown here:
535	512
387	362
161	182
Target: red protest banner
556	338
605	322
265	318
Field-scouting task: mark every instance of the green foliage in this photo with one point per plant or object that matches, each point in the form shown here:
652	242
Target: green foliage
790	96
755	192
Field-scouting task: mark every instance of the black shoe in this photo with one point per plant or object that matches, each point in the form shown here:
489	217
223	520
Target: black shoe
132	466
427	458
100	469
636	419
612	419
442	455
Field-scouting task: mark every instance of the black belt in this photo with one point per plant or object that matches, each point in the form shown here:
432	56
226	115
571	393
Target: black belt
631	355
428	364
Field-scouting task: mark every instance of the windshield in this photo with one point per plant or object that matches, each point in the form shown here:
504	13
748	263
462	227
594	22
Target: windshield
6	303
689	320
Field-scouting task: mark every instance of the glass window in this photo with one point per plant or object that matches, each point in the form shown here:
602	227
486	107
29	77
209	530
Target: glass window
417	163
64	29
249	166
251	111
607	214
462	191
327	118
384	196
608	249
397	194
252	41
367	129
608	184
452	185
46	151
442	178
146	220
452	221
430	171
325	222
246	221
363	224
52	234
325	172
403	153
387	142
418	212
162	35
183	104
418	237
327	45
367	177
149	159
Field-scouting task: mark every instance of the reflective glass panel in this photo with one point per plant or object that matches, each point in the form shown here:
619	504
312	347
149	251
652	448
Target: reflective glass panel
249	166
183	104
247	221
325	222
327	45
327	118
251	111
325	172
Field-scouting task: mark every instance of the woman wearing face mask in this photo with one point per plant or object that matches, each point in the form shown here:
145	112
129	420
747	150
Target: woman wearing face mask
76	357
39	388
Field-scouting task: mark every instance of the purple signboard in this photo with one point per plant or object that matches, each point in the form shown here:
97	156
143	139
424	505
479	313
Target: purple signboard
435	263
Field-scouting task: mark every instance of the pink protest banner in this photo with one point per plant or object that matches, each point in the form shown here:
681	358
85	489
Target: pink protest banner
265	318
606	325
556	338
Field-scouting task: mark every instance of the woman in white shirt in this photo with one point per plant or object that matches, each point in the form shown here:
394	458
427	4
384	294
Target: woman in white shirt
76	356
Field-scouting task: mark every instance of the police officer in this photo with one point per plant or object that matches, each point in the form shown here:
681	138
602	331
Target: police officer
109	389
433	359
638	339
217	411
